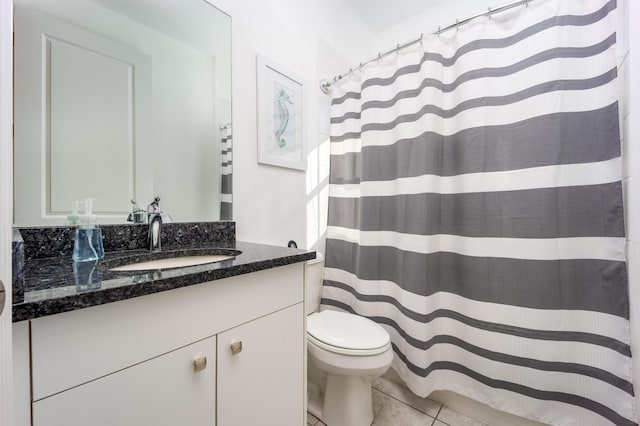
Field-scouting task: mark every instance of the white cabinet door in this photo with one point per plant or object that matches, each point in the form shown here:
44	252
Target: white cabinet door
263	384
162	391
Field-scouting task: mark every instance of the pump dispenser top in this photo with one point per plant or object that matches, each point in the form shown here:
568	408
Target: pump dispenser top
74	216
88	243
88	219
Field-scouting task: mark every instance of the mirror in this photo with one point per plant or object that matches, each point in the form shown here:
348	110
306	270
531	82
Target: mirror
121	100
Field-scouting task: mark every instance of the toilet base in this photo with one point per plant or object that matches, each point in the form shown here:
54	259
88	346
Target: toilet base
347	401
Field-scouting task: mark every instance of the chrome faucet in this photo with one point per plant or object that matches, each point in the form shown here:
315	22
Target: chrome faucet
155	218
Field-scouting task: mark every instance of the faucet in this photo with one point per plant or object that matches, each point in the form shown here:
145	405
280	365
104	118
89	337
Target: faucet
156	217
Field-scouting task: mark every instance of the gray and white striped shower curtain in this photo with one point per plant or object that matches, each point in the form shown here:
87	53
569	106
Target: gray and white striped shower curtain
226	174
476	213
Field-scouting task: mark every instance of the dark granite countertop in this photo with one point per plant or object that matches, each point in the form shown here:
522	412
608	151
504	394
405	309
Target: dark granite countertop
54	285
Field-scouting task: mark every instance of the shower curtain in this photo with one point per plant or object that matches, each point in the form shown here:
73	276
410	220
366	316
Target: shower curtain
476	213
226	178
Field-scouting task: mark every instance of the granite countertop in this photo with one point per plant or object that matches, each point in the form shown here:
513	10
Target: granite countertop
56	284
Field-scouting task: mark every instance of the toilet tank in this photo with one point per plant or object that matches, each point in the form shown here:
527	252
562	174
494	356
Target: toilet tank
313	283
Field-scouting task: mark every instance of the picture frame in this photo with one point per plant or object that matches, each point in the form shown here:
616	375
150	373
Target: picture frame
280	113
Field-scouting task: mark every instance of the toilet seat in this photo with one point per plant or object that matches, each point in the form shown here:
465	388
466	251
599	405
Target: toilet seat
347	334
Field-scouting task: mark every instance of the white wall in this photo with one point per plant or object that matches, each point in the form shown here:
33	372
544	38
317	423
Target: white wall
273	205
441	14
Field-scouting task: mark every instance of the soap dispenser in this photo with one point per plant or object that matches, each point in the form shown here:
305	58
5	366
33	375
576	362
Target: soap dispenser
88	244
74	216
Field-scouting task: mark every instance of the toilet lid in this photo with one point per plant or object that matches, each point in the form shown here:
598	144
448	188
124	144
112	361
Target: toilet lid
348	331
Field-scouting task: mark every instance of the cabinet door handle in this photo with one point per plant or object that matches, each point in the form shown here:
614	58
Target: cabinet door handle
236	348
199	364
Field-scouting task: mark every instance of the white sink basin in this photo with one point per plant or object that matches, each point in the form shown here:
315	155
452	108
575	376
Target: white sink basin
172	262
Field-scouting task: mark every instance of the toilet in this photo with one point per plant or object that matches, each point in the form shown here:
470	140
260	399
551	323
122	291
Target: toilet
345	353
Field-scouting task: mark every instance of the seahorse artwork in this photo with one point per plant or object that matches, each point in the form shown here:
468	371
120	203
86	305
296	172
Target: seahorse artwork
283	110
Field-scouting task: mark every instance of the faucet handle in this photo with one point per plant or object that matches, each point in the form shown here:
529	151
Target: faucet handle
154	206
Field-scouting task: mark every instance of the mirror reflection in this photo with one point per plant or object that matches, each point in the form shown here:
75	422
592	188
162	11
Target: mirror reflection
121	100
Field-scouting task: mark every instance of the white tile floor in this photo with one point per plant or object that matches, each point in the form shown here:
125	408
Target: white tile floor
394	405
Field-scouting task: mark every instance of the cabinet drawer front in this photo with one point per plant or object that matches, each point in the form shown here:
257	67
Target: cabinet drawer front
164	391
261	381
76	347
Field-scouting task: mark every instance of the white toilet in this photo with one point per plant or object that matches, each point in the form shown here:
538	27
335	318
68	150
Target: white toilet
345	353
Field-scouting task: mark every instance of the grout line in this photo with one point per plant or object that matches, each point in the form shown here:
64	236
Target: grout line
316	422
409	405
433	422
401	401
438	413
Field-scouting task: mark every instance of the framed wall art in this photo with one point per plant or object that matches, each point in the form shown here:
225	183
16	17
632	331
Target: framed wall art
280	116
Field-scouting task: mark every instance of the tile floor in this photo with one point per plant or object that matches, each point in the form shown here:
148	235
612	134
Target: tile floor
394	405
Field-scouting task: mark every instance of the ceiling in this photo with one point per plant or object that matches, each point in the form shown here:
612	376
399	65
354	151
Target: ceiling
380	15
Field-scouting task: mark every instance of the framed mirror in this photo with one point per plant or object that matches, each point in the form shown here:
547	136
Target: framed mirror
121	100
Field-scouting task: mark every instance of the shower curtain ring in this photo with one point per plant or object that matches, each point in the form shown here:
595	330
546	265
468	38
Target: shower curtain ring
398	49
360	67
379	57
526	3
439	30
421	37
489	12
350	72
457	24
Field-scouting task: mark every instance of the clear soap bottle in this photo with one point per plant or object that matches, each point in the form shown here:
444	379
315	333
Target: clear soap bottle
88	243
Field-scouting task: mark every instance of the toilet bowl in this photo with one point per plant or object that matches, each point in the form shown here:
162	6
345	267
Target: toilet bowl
348	351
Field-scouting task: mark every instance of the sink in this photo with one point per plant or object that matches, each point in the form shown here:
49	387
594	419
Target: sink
169	259
172	262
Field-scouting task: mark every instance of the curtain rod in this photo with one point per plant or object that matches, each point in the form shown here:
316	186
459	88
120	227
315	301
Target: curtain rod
325	85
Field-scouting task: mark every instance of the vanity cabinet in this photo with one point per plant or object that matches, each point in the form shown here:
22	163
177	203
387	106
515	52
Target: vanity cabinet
132	362
161	391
